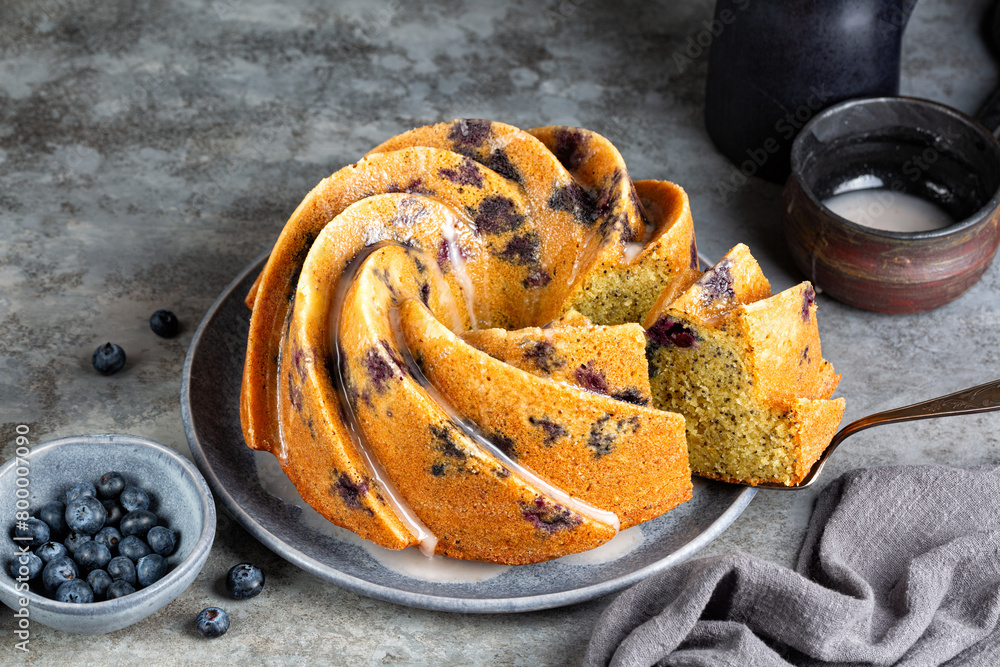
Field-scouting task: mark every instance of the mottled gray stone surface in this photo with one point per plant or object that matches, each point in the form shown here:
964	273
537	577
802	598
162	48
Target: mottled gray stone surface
150	150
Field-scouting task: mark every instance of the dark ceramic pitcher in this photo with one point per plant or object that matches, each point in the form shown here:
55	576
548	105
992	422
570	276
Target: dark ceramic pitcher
775	63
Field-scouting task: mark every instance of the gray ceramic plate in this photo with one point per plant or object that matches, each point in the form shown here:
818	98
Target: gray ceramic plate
210	405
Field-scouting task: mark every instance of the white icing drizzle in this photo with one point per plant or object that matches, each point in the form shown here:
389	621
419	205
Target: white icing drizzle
632	251
426	540
617	547
470	430
459	269
437	569
574	272
282	453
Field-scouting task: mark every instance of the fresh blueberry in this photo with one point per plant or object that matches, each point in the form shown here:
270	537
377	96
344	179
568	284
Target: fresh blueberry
54	514
85	515
74	540
57	571
121	568
150	569
76	591
161	540
99	581
32	531
113	510
133	498
137	522
108	359
26	566
110	485
164	323
133	548
119	588
109	537
81	489
244	581
51	550
212	622
92	555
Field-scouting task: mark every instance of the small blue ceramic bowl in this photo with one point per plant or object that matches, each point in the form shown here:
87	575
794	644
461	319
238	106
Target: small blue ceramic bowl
181	499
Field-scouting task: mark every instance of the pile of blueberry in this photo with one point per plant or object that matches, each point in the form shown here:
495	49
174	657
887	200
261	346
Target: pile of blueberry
101	542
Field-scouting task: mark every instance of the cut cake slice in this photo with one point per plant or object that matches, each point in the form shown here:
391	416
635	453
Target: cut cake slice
746	370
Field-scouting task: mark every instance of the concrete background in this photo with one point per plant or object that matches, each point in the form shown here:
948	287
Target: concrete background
150	150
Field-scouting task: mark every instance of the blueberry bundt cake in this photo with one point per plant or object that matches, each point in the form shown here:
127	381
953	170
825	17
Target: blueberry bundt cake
746	370
390	424
444	347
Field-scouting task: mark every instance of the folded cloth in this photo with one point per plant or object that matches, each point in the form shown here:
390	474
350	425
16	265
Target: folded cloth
900	566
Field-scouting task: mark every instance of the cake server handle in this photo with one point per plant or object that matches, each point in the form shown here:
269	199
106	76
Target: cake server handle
983	398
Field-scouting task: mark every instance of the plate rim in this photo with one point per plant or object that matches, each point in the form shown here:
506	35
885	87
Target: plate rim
390	594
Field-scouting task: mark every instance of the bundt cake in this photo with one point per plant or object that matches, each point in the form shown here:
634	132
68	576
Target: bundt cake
445	348
746	370
391	425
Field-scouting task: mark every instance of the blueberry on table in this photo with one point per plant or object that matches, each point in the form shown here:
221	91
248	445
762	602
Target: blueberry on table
26	566
110	485
74	540
244	581
51	550
54	514
114	511
164	323
161	540
100	581
80	489
133	498
86	515
118	589
33	532
108	359
57	571
133	548
122	569
109	537
212	622
137	522
92	555
150	569
76	591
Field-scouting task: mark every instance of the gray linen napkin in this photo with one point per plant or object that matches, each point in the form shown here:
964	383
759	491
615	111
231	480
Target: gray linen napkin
900	566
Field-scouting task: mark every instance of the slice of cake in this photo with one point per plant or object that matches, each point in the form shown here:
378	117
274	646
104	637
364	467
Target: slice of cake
746	370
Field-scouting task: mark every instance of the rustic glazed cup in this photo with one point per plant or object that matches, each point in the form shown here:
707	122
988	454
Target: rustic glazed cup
896	144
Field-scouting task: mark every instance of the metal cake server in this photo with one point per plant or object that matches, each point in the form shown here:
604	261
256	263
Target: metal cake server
984	398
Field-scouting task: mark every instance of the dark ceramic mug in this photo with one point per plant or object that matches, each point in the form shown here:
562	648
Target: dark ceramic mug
901	145
774	64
